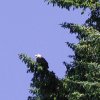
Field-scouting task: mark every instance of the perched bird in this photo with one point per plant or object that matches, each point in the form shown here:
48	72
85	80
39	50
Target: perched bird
41	60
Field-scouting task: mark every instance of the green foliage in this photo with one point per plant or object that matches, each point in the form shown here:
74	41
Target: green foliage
44	84
92	4
94	19
82	79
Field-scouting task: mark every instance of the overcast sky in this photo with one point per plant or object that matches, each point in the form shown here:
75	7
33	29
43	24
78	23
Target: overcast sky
31	27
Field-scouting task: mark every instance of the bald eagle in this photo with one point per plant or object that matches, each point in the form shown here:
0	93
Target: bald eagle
41	61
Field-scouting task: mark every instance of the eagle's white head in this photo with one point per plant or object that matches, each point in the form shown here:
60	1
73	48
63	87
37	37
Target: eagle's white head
38	56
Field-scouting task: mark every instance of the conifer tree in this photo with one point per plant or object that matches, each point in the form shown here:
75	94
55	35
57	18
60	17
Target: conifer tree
82	79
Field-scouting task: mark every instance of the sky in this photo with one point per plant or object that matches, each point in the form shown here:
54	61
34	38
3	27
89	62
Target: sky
31	27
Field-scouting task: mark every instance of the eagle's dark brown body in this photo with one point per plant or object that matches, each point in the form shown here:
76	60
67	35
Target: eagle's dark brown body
40	60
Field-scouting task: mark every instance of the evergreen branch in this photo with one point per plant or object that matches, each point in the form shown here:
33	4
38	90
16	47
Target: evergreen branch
44	84
75	3
83	31
28	61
